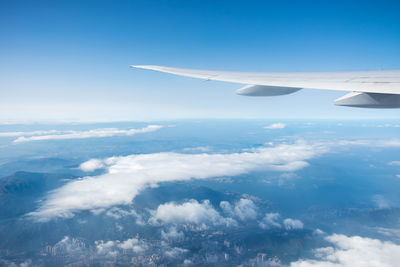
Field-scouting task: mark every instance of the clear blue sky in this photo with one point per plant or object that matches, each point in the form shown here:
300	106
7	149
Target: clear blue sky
68	60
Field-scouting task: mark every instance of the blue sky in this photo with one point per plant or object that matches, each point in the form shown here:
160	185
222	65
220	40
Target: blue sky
68	60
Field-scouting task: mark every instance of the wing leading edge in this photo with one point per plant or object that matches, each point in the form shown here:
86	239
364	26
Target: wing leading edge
373	89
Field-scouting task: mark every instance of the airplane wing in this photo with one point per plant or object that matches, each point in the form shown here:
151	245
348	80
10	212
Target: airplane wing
370	89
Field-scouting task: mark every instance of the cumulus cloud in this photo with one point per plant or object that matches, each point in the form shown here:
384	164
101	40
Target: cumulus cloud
291	224
95	133
175	252
134	244
106	248
172	234
352	252
91	165
112	248
244	209
278	125
318	232
69	245
127	176
273	220
202	214
270	220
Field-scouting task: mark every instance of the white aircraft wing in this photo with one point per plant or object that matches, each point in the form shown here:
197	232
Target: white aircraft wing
372	89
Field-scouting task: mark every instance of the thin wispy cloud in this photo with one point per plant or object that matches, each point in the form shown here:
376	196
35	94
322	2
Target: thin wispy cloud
371	143
278	125
17	134
95	133
198	149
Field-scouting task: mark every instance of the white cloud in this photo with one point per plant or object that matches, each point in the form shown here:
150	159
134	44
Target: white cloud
273	220
112	248
202	214
106	248
26	263
244	209
127	176
134	244
91	165
175	252
353	252
318	232
187	262
387	125
69	245
371	143
291	224
388	232
16	134
95	133
270	220
172	234
278	125
394	163
380	202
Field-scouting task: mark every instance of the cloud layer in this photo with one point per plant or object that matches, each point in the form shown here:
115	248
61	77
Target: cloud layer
127	176
352	252
64	135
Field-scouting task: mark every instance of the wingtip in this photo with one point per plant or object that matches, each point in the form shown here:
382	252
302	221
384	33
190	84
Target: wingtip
146	67
136	66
